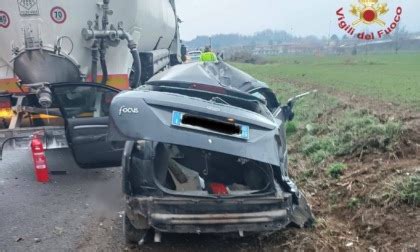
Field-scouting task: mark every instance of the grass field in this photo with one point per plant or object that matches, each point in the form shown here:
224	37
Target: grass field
387	77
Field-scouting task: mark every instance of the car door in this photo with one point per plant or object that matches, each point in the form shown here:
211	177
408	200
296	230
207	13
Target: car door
85	108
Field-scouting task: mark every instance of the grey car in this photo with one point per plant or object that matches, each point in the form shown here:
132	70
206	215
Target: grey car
203	150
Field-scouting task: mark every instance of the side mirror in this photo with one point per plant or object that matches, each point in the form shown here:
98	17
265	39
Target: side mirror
286	112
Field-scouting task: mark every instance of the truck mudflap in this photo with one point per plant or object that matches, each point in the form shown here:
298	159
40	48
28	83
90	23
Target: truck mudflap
19	139
183	215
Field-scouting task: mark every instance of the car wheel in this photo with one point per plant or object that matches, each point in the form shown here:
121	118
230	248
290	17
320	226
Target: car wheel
133	235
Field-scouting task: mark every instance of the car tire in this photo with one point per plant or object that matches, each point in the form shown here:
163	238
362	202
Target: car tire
133	235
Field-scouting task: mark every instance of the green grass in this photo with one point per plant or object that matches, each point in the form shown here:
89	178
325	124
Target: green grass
401	190
337	170
351	133
386	77
354	203
291	128
409	190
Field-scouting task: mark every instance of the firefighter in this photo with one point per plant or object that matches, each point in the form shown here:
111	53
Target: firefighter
208	55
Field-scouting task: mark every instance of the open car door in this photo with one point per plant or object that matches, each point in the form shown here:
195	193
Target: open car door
85	108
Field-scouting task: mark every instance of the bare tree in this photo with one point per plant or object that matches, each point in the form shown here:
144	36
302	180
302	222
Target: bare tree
400	35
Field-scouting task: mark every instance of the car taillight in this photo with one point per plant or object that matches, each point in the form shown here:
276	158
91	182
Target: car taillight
208	88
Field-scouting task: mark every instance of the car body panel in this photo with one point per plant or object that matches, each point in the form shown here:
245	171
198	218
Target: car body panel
85	109
153	120
153	123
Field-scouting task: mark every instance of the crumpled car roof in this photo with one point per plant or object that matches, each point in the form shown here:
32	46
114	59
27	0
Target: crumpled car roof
216	74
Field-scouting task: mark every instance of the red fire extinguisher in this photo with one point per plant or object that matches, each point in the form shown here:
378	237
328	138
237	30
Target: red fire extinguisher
40	160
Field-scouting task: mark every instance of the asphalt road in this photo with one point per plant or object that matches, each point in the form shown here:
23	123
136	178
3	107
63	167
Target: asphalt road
80	210
57	215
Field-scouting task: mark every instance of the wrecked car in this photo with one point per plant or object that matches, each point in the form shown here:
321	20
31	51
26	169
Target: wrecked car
202	146
205	152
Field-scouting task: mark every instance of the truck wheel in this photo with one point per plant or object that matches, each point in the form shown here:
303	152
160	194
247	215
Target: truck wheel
131	234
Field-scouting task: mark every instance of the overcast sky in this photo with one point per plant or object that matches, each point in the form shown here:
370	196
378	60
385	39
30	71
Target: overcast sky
303	17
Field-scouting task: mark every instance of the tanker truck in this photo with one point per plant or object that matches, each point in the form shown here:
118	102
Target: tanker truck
118	45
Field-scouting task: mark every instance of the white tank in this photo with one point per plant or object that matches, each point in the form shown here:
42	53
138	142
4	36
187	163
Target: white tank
37	25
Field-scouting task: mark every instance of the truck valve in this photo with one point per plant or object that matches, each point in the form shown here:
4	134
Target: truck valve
44	97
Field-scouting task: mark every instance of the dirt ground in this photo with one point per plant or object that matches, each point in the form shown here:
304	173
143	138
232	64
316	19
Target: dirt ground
82	209
374	224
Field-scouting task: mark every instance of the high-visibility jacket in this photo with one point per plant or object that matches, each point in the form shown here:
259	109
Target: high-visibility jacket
208	57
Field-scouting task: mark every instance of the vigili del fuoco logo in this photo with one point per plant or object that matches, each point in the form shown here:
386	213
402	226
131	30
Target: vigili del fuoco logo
368	15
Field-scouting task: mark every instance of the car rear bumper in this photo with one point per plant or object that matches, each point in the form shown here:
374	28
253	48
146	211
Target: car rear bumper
176	215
